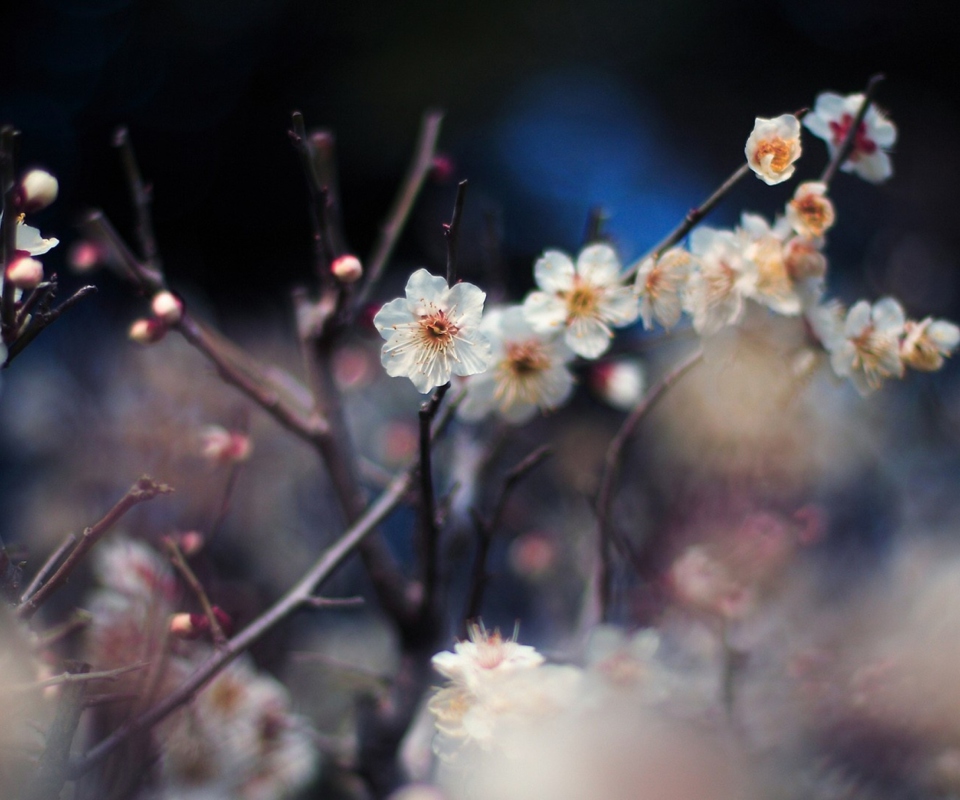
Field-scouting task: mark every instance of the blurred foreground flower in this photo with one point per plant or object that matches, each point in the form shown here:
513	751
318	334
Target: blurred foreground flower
434	332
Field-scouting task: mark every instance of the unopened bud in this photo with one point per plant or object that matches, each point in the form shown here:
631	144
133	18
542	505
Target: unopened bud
221	446
38	189
147	331
167	307
347	269
25	273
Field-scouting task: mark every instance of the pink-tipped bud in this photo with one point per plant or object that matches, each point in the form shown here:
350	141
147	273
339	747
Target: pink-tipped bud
220	446
347	269
190	543
147	331
38	189
167	307
25	273
84	256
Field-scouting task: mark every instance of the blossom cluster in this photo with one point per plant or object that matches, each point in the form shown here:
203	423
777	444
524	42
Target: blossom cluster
520	356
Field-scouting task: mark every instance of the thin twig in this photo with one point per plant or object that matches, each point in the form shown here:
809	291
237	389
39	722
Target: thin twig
416	174
144	489
74	677
849	140
296	597
611	466
451	233
486	528
142	196
429	533
54	765
48	566
180	563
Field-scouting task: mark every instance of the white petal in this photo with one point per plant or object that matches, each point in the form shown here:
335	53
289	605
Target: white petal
598	264
554	272
424	288
546	313
396	312
589	338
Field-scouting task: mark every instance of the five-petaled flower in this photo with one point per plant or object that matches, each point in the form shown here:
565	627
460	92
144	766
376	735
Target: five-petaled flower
588	299
433	332
831	121
773	146
528	371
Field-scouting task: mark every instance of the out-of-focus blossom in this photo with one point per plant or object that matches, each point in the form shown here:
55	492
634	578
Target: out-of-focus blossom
147	331
926	343
810	212
660	284
38	189
620	383
221	446
167	307
831	119
25	273
528	371
347	269
773	146
484	655
716	291
434	332
586	301
867	349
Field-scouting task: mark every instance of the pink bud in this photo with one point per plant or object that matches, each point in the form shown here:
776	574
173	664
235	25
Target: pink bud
147	331
38	189
25	273
347	269
167	307
84	256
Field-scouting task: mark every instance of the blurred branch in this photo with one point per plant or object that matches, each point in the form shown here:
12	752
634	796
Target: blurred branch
402	205
180	563
144	489
300	595
52	770
451	233
486	528
48	566
142	196
611	467
849	140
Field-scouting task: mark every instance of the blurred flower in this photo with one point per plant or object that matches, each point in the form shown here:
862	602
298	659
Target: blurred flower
434	332
831	120
660	284
867	349
926	343
38	189
717	289
620	383
220	446
528	371
587	300
810	212
773	146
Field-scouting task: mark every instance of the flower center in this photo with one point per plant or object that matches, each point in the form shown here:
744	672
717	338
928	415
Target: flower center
437	331
862	144
778	148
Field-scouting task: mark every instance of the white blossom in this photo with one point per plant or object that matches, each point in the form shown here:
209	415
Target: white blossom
433	332
716	291
927	343
528	371
773	146
586	301
866	348
831	119
660	285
